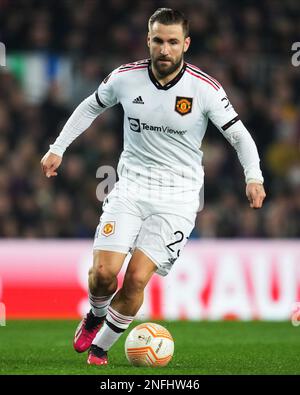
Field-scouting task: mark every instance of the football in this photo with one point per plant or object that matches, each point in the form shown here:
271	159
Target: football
149	344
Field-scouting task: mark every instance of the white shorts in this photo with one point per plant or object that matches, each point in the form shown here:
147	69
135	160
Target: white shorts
152	227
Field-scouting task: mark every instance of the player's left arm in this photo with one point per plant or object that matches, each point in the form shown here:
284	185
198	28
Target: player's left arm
255	193
223	115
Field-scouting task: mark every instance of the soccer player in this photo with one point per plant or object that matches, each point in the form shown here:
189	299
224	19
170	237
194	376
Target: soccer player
152	208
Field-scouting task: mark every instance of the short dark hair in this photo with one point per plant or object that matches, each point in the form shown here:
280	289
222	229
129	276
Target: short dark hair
168	16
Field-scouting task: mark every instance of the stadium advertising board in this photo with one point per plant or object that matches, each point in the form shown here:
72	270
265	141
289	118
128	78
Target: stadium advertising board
212	280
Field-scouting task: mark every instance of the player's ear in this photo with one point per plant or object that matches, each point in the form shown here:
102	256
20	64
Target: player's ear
148	40
187	42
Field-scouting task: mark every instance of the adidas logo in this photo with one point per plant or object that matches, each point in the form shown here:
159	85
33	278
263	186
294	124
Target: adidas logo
138	100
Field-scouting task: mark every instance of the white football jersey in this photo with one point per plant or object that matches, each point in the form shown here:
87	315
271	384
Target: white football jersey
164	125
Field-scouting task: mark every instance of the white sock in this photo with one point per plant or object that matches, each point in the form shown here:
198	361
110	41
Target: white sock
99	304
115	324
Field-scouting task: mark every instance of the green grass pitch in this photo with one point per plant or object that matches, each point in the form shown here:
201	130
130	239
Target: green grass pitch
45	347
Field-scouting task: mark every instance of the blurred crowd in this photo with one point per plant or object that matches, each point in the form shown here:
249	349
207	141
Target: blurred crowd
245	45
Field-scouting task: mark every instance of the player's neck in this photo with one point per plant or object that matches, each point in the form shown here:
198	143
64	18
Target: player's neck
165	80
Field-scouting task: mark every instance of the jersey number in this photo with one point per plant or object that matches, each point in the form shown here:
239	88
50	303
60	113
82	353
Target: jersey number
175	242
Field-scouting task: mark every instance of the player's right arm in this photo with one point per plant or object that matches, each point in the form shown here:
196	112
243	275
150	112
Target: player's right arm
50	162
82	117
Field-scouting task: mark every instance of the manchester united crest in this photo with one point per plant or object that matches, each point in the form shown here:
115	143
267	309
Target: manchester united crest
183	105
108	228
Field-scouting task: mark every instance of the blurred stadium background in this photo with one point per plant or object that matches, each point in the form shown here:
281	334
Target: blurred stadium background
240	263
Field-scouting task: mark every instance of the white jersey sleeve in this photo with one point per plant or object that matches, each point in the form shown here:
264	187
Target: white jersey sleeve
221	112
88	110
107	93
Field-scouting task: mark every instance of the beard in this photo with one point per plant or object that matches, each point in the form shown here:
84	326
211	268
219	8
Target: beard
165	69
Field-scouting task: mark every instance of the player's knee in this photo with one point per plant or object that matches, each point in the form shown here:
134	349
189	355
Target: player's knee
134	283
101	273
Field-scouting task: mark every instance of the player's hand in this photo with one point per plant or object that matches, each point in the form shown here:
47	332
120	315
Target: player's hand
50	162
256	194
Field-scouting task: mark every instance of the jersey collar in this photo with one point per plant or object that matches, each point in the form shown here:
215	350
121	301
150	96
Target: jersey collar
170	83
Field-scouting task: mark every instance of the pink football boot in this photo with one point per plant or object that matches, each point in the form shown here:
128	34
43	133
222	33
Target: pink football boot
97	356
86	331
